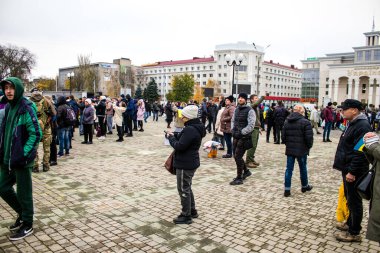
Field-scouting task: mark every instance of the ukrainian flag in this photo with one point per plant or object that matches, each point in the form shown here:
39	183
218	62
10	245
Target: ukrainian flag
360	145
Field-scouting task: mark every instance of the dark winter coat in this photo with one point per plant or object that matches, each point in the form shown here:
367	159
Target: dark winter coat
101	108
347	159
280	114
61	112
212	111
187	144
270	116
169	113
297	135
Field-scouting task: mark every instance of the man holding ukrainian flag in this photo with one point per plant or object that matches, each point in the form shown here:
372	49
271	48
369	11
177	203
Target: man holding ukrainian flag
351	161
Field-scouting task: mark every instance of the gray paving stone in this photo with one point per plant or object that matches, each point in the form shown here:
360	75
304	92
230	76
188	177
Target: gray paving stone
117	197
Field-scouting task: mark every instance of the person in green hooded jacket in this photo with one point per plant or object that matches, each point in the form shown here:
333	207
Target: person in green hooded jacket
19	139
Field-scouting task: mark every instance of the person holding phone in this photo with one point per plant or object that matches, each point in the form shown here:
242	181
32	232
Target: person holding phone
186	160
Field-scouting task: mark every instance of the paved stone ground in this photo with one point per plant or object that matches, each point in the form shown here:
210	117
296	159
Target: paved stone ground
117	197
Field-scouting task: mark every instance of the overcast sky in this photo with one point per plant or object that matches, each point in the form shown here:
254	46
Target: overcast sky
57	31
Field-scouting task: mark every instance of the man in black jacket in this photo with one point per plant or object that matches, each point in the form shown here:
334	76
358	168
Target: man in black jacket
270	122
186	160
280	114
243	122
297	135
351	161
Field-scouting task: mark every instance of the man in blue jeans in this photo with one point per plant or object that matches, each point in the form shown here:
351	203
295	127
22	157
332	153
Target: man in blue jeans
329	119
64	127
297	135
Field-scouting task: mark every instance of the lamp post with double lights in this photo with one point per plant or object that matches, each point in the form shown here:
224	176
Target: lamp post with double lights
70	75
234	63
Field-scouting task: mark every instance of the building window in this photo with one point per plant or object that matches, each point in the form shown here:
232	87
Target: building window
225	74
225	66
364	87
220	66
224	82
211	75
192	68
224	91
242	68
359	56
186	68
180	69
198	75
204	67
204	83
367	55
376	55
220	75
210	67
204	75
198	68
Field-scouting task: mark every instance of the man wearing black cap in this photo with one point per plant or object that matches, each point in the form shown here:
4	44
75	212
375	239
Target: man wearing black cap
243	122
351	161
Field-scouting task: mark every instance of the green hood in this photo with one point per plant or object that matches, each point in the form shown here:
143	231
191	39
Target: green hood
19	86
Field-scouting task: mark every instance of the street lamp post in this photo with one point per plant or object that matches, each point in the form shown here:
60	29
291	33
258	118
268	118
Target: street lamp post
70	75
233	64
258	69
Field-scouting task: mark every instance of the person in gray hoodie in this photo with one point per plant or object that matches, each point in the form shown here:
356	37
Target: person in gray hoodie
88	121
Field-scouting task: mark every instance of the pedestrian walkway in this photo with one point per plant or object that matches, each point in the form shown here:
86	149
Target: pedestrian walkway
117	197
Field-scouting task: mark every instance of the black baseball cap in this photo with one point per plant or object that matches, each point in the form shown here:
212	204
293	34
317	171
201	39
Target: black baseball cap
351	103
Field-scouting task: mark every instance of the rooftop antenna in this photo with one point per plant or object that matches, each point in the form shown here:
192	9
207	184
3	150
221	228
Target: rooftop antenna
373	24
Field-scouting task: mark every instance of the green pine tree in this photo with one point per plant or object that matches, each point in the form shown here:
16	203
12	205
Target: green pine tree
183	87
152	91
138	93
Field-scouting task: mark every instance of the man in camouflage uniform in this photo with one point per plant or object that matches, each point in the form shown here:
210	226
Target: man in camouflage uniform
45	112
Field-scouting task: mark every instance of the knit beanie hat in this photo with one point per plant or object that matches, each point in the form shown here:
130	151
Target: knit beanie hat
190	112
88	101
243	95
231	98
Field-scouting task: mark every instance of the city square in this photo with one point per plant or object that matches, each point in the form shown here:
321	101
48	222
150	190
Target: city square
118	197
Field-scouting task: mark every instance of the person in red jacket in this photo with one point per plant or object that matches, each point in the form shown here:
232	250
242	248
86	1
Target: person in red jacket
329	119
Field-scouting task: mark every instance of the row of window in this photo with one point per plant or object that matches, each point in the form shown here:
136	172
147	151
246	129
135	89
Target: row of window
281	79
368	55
175	70
281	72
282	86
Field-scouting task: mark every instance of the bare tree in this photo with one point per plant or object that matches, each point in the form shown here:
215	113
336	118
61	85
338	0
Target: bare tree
85	75
15	61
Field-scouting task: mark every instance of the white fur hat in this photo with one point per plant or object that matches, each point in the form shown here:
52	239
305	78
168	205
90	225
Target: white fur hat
190	112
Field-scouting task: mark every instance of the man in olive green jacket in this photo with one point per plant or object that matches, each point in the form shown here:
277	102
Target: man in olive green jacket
372	152
19	138
250	159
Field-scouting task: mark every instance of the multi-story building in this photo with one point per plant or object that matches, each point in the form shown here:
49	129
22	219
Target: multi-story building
310	80
108	78
352	75
282	82
202	70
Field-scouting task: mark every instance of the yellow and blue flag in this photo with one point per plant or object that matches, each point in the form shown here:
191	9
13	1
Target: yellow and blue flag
360	145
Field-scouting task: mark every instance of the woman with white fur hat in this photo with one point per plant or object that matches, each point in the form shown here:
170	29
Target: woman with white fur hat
186	160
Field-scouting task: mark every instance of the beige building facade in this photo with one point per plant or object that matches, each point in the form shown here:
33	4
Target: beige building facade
353	75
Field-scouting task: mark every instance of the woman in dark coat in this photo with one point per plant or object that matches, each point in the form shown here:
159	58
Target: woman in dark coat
169	113
186	160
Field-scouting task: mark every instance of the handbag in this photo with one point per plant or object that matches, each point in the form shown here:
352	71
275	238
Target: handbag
169	164
364	183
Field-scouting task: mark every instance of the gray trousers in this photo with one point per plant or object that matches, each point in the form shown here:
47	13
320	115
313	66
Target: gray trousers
184	181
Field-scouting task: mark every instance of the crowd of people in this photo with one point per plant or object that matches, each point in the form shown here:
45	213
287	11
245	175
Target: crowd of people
236	125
